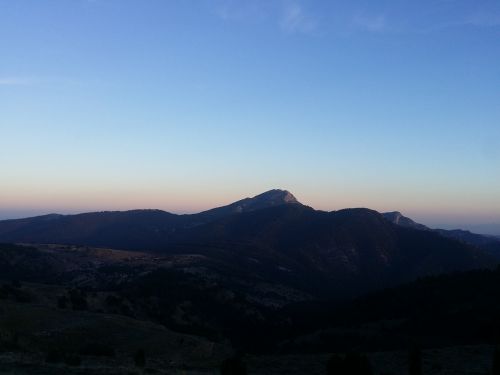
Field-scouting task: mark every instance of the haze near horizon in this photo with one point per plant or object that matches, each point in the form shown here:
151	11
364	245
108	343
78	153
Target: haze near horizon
184	106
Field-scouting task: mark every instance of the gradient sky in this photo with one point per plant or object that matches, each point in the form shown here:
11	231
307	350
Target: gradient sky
186	105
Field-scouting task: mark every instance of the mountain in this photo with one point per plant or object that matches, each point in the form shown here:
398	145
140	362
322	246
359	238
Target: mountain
135	229
397	218
128	230
263	267
271	198
351	248
270	238
489	244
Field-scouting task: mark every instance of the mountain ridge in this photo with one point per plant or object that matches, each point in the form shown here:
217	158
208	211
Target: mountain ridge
487	243
272	237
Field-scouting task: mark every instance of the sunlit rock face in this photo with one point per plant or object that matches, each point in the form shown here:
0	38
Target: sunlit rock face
398	218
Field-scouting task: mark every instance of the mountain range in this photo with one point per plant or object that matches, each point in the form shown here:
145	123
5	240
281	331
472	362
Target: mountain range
488	244
276	238
264	275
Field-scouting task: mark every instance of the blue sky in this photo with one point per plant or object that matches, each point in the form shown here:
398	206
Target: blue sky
185	105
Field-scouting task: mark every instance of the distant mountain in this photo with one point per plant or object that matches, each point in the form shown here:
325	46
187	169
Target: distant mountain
491	229
397	217
135	229
489	244
128	229
271	237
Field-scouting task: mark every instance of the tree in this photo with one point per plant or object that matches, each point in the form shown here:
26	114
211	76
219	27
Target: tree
335	365
72	360
54	356
97	349
233	366
357	364
495	368
140	358
62	302
351	364
415	361
78	299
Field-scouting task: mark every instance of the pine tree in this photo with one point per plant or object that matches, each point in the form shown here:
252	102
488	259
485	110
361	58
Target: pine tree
415	361
495	368
140	358
335	365
233	366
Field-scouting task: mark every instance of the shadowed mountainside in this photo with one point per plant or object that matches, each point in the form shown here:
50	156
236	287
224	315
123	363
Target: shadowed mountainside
135	229
271	237
435	311
488	244
266	266
190	295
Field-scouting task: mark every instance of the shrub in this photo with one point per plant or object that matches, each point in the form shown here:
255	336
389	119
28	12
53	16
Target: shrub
351	364
54	356
15	283
78	299
97	350
62	302
72	360
233	366
4	292
9	342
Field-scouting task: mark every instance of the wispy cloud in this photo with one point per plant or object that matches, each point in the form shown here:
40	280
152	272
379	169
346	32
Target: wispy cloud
484	20
251	10
479	20
45	81
370	23
289	15
295	20
16	81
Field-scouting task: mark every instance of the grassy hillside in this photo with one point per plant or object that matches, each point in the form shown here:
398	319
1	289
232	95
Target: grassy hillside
33	333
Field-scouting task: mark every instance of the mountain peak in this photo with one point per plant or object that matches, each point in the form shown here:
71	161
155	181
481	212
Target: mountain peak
270	198
276	196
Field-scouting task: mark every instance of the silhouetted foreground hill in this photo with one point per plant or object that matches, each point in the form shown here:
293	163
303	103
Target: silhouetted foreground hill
90	303
461	308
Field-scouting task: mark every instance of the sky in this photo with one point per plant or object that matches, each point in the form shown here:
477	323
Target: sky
190	104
